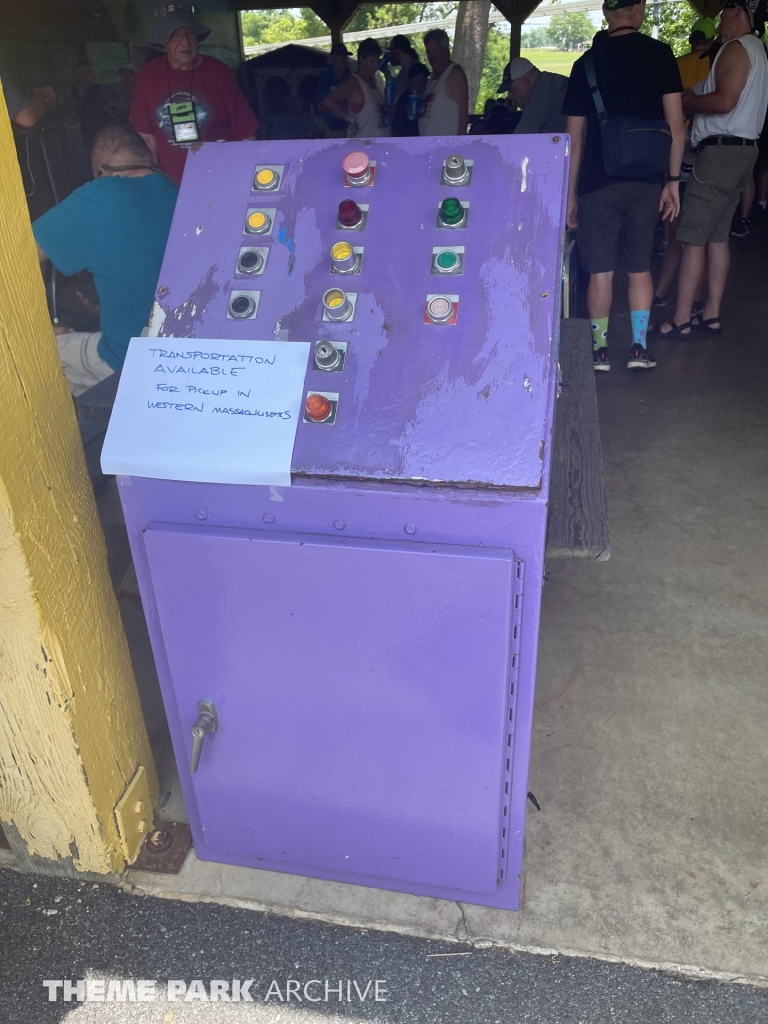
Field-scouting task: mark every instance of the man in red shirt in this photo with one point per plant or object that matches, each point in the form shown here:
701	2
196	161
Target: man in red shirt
185	97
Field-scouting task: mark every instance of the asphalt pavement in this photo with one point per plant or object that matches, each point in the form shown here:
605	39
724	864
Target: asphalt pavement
123	948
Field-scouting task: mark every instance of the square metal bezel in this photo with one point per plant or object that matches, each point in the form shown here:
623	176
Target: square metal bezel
263	250
352	296
279	169
358	227
256	296
458	249
340	345
454	227
333	398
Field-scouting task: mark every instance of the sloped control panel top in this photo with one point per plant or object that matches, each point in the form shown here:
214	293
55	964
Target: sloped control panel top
425	274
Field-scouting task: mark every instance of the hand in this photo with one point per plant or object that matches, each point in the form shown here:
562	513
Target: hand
572	214
47	93
669	204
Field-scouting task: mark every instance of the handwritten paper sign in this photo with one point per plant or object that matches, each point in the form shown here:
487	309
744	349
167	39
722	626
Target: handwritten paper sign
208	411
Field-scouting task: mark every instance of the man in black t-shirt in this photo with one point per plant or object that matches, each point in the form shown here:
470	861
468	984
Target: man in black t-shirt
637	76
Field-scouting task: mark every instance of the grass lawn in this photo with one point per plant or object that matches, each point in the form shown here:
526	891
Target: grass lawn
552	60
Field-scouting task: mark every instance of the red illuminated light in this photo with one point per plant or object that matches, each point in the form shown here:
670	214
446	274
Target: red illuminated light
350	213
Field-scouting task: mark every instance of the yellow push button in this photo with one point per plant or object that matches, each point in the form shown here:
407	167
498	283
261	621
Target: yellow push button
265	177
257	222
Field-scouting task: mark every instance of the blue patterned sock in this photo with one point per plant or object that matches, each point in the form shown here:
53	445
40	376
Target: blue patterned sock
639	318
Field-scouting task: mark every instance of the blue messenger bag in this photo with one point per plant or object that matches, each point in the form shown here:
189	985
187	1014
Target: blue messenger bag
633	147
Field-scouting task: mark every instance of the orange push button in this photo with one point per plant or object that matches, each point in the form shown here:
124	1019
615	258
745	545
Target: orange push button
318	408
266	178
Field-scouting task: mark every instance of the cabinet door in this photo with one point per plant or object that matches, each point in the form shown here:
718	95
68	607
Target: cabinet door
361	690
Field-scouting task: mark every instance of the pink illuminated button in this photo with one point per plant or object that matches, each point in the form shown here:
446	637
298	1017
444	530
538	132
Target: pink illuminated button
356	166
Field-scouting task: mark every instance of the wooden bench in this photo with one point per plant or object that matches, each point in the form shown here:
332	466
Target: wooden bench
578	516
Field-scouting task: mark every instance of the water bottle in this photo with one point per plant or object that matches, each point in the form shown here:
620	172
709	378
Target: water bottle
389	93
384	61
413	107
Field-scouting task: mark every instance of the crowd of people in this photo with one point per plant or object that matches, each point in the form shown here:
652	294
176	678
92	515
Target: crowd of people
653	139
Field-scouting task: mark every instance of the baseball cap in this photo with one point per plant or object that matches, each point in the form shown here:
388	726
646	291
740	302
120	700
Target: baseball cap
339	50
515	69
169	17
614	5
707	26
756	11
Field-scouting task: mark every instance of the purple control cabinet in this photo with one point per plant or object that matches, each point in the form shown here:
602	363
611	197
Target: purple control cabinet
367	636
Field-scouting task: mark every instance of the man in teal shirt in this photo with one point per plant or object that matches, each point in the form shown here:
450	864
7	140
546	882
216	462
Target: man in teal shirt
116	226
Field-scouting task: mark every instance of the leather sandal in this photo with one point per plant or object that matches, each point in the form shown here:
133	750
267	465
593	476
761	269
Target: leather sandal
675	333
704	325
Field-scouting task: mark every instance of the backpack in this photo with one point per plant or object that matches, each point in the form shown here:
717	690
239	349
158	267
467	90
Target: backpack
633	147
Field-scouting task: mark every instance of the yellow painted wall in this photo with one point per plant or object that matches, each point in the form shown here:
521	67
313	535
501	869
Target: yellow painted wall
71	729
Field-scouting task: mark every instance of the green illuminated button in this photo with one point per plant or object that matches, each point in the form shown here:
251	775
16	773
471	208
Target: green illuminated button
447	261
451	211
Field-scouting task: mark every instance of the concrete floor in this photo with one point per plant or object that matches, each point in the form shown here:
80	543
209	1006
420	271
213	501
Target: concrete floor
650	759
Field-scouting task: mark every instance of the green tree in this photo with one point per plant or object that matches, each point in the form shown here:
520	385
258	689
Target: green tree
535	38
281	26
496	58
674	23
386	15
569	31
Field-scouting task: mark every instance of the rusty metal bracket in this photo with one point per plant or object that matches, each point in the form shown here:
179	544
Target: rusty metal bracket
164	848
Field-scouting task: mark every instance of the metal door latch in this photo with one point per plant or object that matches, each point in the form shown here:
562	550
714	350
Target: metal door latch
207	721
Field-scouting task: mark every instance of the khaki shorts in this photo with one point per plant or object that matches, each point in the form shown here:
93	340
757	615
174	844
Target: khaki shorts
83	366
720	174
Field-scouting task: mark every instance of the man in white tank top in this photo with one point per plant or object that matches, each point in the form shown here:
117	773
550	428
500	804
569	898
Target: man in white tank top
728	115
446	110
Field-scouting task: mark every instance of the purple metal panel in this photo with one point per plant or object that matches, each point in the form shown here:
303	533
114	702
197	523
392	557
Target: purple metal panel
490	519
427	783
362	696
468	403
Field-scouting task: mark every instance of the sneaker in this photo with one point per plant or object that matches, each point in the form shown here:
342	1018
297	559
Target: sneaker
600	358
659	300
639	359
740	227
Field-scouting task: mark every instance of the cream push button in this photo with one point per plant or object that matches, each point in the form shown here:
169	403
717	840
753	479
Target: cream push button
440	309
344	259
258	222
357	168
337	305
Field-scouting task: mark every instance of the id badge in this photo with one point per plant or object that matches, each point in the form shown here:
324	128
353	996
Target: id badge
184	121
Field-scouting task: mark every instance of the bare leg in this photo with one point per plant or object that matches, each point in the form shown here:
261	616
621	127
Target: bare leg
640	290
719	262
691	268
600	295
669	267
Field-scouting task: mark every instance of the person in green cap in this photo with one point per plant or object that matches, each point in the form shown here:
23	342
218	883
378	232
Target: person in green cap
694	66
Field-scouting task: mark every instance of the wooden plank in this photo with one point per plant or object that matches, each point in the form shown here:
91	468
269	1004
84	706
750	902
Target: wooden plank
578	515
72	734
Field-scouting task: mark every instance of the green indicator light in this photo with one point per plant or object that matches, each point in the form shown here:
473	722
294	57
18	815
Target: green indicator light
451	211
447	260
